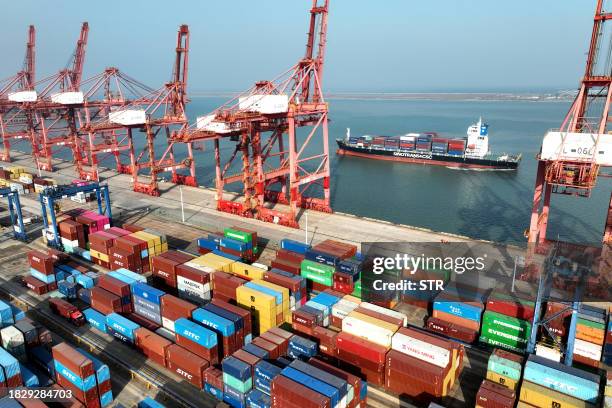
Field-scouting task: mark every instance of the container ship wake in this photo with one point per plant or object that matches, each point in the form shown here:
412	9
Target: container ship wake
471	152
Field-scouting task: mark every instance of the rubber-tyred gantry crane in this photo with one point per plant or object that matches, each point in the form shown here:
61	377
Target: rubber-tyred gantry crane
281	132
16	92
159	113
572	157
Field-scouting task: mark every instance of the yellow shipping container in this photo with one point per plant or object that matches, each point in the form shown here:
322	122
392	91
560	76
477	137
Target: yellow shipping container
374	321
143	236
522	404
503	380
99	255
545	397
247	271
261	301
220	263
284	291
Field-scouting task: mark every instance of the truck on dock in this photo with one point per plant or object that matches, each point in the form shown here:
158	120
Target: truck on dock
67	310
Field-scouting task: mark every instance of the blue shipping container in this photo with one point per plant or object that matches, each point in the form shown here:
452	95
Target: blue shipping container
18	314
85	281
83	384
316	385
219	311
29	378
299	346
42	277
234	398
256	351
233	244
214	322
209	244
257	399
102	371
196	333
122	325
150	403
561	381
84	295
106	399
294	246
234	258
236	368
321	375
265	372
214	391
147	292
9	363
43	358
267	291
321	257
147	314
133	275
458	309
95	319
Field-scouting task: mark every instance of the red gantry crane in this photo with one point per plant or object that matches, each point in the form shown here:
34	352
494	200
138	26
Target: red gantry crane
280	128
572	158
159	113
16	92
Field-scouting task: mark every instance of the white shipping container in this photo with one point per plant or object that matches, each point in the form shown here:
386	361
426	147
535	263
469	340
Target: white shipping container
266	104
419	349
588	350
128	117
168	324
367	331
23	96
208	123
385	311
11	337
343	308
548	353
577	146
67	98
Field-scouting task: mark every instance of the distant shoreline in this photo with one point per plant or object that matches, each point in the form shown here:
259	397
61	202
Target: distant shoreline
428	96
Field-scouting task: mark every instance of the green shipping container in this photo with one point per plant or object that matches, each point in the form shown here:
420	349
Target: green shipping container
503	344
237	235
590	323
495	324
315	267
322	279
357	290
242	386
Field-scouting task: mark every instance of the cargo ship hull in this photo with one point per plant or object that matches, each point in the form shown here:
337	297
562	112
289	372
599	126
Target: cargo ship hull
426	157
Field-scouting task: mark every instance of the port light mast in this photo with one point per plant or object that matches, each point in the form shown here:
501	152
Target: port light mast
280	128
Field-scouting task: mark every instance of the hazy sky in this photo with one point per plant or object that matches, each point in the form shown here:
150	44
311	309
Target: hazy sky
385	45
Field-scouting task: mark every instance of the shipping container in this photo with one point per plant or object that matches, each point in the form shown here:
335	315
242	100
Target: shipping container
186	364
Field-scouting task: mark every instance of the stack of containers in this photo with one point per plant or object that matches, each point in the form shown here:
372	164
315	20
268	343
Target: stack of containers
115	287
357	386
294	283
173	308
237	381
72	235
42	273
439	145
392	143
41	183
321	261
103	379
300	347
590	336
147	302
507	321
209	243
186	364
13	341
379	141
423	142
347	274
461	306
248	272
164	266
10	371
550	384
121	328
422	365
342	309
225	286
331	393
213	382
505	368
152	345
76	373
289	258
96	319
92	221
263	306
265	372
224	329
241	318
197	339
156	244
456	147
557	315
407	142
100	244
193	284
239	242
493	395
283	305
132	248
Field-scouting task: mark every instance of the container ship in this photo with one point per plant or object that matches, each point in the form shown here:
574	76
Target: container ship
471	152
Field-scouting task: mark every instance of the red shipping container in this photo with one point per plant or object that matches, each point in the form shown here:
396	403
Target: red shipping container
14	381
73	360
52	286
57	256
245	315
286	392
293	257
89	398
131	244
353	380
138	319
114	286
347	343
131	227
152	345
456	320
281	342
211	354
511	308
102	239
39	287
186	364
192	274
413	377
248	358
104	387
43	263
101	263
174	308
104	301
271	348
284	281
118	232
492	395
164	269
214	377
451	330
326	339
304	318
291	267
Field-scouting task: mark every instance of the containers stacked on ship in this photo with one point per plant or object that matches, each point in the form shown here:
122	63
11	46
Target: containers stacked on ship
103	379
458	310
439	145
590	336
164	267
423	142
298	292
407	142
507	321
76	373
121	328
240	242
505	368
456	147
493	395
550	384
290	256
422	365
197	339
